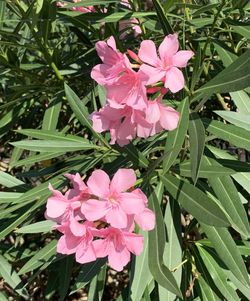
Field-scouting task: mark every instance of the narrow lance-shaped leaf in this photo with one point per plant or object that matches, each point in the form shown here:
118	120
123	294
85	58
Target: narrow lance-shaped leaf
41	257
228	196
166	27
173	252
176	138
195	201
231	133
157	239
227	250
218	275
10	276
81	112
197	143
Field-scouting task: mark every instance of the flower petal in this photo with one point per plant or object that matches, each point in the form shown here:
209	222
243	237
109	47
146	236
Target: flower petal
168	47
117	260
153	74
117	218
181	58
169	118
94	209
123	179
98	183
147	52
174	80
146	219
55	207
86	254
153	112
101	247
131	203
134	242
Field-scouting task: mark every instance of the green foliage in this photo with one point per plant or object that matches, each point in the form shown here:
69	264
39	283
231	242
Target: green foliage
196	177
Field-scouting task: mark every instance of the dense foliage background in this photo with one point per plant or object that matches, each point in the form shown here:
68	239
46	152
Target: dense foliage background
196	177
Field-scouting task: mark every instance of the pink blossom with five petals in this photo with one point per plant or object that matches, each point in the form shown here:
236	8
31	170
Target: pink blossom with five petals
165	68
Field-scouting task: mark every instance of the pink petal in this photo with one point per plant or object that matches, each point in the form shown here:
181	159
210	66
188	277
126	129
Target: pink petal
55	207
116	217
101	247
76	228
111	42
131	203
153	112
169	118
100	122
98	183
181	58
153	74
94	209
134	242
146	219
174	80
122	180
168	47
147	52
117	260
65	247
84	255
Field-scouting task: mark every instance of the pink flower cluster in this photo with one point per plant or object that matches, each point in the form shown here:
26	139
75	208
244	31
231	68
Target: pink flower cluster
97	219
129	112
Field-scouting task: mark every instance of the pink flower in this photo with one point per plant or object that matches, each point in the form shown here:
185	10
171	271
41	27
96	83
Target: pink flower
60	207
117	245
123	123
161	117
82	244
128	89
114	202
166	67
114	63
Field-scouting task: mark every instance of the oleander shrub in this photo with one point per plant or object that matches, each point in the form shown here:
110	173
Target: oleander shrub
125	139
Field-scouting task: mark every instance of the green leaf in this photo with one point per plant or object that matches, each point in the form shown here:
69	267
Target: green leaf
228	252
243	30
87	273
207	294
9	181
184	170
142	275
176	138
2	13
242	100
39	227
157	238
218	275
8	197
81	112
228	196
238	119
196	202
231	133
54	146
173	251
51	115
65	271
11	277
234	78
50	135
41	257
37	158
166	27
197	144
